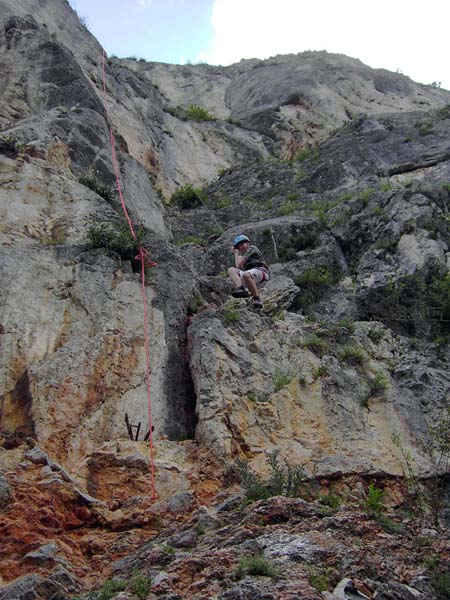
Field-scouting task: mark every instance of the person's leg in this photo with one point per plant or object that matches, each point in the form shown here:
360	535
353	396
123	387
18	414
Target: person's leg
233	274
239	291
250	284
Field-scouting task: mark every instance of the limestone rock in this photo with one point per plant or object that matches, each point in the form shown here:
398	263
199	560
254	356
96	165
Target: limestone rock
5	492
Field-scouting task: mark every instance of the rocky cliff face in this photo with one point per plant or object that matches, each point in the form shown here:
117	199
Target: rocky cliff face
341	175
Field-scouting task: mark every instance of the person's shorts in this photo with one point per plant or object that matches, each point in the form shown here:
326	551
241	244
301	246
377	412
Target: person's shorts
258	275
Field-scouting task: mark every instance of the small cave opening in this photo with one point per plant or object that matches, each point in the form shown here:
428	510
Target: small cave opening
16	422
180	388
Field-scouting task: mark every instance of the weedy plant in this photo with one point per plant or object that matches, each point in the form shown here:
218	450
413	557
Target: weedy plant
116	239
374	501
255	565
140	586
429	495
9	146
187	196
96	186
281	380
198	113
231	314
110	588
284	479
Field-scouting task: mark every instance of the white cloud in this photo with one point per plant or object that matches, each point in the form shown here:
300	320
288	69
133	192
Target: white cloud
409	35
145	3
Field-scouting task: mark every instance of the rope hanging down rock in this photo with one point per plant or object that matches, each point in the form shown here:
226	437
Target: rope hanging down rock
144	260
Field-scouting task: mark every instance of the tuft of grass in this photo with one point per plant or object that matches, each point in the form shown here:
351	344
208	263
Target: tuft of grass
187	196
281	380
258	396
287	209
316	344
365	195
231	315
378	384
352	355
374	501
284	479
110	588
320	579
376	334
114	239
330	499
140	586
256	565
96	186
9	146
389	525
198	113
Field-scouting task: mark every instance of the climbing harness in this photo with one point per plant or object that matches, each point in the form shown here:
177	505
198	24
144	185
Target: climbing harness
142	256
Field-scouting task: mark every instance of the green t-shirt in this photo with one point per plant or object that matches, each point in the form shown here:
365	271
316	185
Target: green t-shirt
254	259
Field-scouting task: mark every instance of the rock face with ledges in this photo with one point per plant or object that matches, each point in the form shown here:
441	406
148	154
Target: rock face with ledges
340	174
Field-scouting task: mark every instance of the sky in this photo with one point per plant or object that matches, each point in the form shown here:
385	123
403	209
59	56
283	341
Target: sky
409	36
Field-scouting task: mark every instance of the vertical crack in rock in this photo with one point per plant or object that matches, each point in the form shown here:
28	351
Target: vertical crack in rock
15	410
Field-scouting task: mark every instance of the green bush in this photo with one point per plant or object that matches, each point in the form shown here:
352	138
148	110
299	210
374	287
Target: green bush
441	584
96	186
114	239
330	499
188	196
312	283
415	305
110	588
378	384
316	344
255	565
365	195
140	586
320	579
352	355
197	113
287	209
376	334
231	314
374	501
258	396
281	380
295	242
284	479
9	146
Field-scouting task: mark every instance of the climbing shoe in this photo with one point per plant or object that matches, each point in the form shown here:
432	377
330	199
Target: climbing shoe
257	304
240	292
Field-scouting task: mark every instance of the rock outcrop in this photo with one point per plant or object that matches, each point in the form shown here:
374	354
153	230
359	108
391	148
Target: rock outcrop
341	175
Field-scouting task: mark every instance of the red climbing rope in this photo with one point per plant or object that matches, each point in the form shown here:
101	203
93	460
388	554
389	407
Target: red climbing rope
144	260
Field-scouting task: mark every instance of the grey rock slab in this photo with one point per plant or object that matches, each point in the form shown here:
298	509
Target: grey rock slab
5	492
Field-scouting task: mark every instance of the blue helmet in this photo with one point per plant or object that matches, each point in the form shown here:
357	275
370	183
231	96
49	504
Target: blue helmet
240	238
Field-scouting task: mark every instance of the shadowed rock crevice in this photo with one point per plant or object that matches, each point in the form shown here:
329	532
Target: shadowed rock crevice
15	411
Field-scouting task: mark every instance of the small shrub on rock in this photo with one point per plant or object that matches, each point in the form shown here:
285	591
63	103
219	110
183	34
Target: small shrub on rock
110	588
374	501
198	113
96	186
140	586
9	146
312	283
284	479
187	196
113	239
256	565
352	355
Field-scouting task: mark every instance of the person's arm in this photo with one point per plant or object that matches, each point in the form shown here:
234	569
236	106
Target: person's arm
239	260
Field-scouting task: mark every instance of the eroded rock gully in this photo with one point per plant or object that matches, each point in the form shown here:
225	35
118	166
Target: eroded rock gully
344	373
